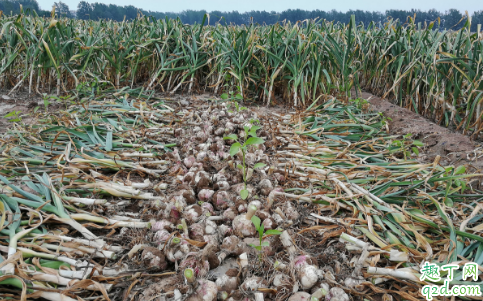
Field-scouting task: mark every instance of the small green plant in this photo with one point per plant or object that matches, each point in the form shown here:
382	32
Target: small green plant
84	90
62	99
242	144
230	95
233	98
406	145
13	116
261	232
384	119
360	103
237	107
46	101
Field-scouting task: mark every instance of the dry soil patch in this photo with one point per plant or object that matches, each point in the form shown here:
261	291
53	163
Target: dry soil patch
454	148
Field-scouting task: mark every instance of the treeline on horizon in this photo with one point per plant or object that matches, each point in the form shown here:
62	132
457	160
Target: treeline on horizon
451	19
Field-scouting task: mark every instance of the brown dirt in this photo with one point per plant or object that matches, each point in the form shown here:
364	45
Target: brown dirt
22	102
454	148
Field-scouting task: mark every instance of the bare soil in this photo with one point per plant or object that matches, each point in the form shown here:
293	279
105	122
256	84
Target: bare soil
22	102
453	148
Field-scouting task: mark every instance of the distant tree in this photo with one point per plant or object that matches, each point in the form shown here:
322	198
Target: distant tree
95	11
452	19
84	10
236	18
117	12
100	11
28	4
476	18
62	9
13	6
432	15
131	12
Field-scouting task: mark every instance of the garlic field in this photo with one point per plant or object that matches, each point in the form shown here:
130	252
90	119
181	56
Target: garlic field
190	188
435	73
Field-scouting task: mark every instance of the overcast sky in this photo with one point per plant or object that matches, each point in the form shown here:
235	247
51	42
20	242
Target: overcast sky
280	5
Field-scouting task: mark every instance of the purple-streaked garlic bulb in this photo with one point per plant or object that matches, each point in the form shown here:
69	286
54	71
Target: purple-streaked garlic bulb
321	291
189	161
242	224
205	195
202	180
265	187
211	228
290	212
161	236
207	209
221	185
192	213
205	291
201	136
230	214
220	132
197	231
174	155
337	294
172	214
279	177
213	156
179	201
178	168
250	159
194	261
189	178
201	156
196	167
308	273
228	282
241	206
269	224
177	249
162	224
212	240
239	187
189	196
221	176
222	200
252	284
153	258
300	296
224	231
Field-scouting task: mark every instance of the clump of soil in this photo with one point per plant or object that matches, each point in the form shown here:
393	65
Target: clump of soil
23	103
453	148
